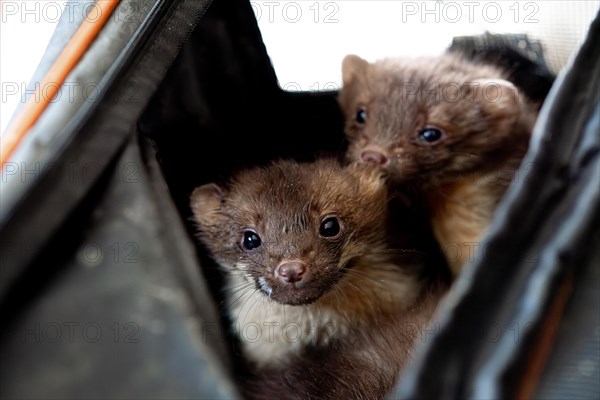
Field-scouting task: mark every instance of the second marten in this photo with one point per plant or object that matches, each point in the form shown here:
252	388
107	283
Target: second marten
454	129
322	305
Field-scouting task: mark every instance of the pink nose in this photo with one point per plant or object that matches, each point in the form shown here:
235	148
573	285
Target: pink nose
290	272
374	157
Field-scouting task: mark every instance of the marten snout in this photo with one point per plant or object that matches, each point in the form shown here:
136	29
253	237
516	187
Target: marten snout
374	155
290	272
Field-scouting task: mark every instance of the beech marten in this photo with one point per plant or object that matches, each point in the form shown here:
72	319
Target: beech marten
324	307
453	129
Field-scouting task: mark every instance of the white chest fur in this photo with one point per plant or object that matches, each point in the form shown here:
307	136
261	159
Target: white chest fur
270	332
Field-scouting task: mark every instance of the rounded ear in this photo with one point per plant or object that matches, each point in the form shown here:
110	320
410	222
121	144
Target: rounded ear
205	201
352	67
492	94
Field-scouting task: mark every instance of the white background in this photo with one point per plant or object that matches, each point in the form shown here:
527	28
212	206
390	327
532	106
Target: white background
307	39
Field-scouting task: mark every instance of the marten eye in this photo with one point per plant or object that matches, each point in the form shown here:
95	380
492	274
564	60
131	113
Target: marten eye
430	135
330	227
251	240
361	116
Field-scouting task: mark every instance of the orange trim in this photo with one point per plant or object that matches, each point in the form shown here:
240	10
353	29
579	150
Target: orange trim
544	344
54	79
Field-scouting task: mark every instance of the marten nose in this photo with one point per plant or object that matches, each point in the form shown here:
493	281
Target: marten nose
374	156
290	272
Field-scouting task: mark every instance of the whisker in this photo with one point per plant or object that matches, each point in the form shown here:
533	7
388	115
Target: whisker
240	297
238	288
244	304
257	299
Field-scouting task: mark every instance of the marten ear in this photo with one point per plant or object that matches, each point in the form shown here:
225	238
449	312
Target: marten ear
205	201
352	67
495	95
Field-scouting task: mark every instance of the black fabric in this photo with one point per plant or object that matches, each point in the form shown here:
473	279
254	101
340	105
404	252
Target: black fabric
110	253
219	109
94	135
572	370
520	57
121	309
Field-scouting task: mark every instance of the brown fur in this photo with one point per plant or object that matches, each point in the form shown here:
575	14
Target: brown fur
486	124
357	293
365	365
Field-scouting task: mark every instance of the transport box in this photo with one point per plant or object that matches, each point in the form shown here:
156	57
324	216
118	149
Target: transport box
105	294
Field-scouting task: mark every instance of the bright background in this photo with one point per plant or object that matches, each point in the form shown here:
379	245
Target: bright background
307	39
24	36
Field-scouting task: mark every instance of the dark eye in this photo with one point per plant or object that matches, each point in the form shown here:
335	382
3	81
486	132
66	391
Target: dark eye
361	116
251	240
430	135
330	227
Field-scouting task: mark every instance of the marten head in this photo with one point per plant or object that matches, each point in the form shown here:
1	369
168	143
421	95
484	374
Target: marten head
428	117
291	229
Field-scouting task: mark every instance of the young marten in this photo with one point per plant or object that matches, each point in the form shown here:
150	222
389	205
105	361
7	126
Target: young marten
454	129
322	305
